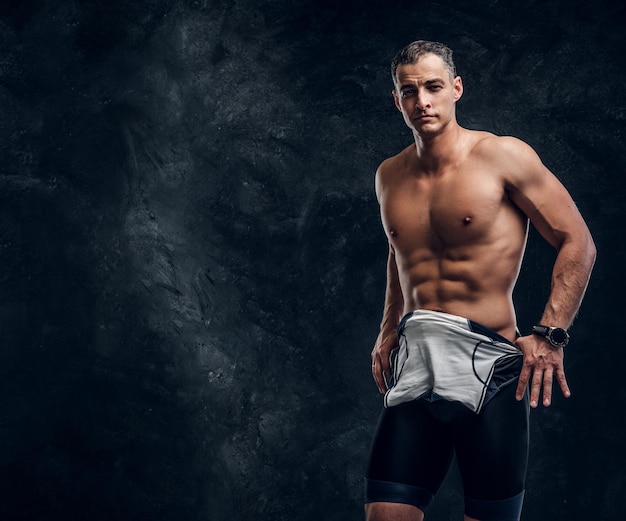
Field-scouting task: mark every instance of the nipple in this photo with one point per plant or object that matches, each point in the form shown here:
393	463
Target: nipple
393	233
467	220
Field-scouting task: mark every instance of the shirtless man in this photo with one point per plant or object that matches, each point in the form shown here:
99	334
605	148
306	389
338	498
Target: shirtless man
455	206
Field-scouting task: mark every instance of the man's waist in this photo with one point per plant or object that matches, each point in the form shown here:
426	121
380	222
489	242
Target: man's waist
497	315
446	319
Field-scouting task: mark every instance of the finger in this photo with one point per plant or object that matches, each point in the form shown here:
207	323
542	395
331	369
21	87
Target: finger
560	377
373	368
535	386
378	375
385	373
522	382
385	365
547	387
384	368
382	386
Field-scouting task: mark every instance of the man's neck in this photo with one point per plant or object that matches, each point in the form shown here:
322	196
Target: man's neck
436	151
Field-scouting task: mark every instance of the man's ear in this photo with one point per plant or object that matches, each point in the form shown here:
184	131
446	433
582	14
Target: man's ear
396	99
457	85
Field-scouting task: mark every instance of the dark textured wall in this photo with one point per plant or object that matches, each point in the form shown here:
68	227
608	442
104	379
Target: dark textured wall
192	265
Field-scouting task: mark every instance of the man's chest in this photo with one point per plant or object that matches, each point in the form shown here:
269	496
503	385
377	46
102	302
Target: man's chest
452	210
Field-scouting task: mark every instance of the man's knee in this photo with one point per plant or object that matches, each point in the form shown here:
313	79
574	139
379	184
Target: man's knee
392	512
495	510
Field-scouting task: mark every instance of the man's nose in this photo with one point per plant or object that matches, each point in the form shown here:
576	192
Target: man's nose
421	101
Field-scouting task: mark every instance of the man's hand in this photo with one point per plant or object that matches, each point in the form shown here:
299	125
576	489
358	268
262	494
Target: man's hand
381	368
542	362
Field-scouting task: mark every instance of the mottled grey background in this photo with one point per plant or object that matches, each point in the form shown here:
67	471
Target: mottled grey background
191	261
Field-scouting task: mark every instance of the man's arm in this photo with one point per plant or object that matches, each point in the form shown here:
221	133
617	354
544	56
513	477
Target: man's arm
387	339
539	194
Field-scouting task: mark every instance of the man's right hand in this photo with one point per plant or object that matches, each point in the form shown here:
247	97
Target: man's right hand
381	356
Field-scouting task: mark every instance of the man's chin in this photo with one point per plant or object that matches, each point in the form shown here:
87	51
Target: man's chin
426	130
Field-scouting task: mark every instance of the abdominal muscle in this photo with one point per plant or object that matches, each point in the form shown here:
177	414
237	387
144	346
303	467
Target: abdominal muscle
475	288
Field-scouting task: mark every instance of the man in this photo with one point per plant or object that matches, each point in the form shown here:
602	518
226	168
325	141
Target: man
455	206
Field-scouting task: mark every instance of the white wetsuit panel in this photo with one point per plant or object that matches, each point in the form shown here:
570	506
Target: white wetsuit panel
440	356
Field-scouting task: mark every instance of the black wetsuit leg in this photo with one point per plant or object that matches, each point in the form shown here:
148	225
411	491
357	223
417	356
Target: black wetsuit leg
492	454
415	442
410	455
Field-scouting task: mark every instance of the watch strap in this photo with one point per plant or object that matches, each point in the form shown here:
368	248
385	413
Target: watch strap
541	330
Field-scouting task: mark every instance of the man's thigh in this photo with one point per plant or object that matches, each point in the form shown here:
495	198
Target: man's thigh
492	448
410	456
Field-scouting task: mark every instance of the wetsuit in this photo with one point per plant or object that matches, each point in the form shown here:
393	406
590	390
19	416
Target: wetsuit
452	392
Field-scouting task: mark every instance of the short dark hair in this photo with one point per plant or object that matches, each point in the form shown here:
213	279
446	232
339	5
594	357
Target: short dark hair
415	50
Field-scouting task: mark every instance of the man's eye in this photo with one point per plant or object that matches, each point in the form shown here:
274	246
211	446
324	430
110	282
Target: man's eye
435	87
408	93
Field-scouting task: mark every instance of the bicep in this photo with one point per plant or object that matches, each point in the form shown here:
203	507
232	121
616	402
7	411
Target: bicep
551	210
544	200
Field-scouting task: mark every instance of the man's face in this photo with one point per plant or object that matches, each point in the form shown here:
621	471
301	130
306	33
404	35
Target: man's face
426	95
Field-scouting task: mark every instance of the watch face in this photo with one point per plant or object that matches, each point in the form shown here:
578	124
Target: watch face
559	336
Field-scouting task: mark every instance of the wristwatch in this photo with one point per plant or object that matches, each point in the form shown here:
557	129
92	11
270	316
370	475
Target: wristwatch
557	336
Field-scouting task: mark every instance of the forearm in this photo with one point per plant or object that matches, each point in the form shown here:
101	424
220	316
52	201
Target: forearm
570	277
387	339
394	302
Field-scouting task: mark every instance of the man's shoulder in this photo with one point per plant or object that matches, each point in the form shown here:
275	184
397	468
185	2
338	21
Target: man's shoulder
512	159
393	168
400	158
488	145
395	163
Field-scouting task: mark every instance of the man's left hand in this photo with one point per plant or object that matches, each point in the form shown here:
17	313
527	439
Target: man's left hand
542	362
